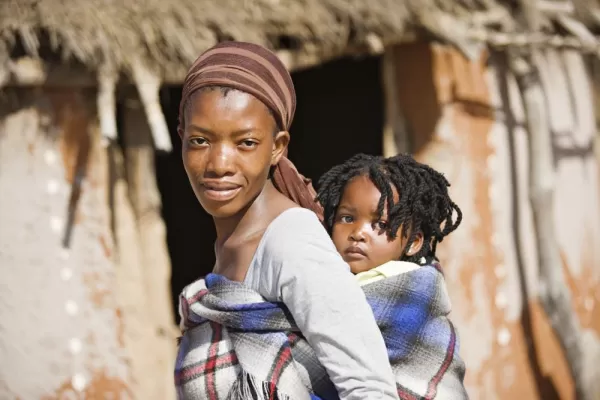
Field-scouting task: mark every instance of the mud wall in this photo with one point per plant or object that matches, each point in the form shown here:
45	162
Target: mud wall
75	322
466	119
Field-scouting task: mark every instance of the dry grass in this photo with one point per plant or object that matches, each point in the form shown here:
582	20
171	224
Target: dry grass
169	34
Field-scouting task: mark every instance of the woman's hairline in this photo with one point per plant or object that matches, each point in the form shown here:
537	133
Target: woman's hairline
278	128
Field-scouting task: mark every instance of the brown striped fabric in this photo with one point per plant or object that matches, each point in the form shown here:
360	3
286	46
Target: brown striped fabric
257	71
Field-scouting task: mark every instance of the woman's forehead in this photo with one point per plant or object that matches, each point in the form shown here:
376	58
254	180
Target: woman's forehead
232	107
223	99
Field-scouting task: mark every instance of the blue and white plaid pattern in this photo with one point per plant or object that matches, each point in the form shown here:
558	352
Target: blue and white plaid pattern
235	344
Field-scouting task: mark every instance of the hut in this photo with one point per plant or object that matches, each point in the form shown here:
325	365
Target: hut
99	229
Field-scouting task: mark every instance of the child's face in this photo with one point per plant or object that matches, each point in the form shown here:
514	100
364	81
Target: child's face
358	233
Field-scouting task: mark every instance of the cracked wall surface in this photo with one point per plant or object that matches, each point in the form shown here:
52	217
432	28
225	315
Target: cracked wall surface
466	119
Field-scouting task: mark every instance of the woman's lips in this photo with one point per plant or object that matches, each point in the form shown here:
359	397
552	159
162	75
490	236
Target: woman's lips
220	191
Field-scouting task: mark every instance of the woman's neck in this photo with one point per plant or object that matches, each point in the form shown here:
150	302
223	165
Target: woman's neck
249	219
239	236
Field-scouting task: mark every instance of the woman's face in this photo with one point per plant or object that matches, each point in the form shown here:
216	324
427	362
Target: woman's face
230	142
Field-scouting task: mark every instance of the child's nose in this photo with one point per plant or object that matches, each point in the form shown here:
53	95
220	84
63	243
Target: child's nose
358	234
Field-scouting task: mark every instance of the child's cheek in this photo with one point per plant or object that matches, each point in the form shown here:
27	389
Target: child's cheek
337	238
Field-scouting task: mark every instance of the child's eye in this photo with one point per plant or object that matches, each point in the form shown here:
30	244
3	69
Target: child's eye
381	225
346	219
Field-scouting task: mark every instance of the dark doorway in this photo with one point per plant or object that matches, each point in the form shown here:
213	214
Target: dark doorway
340	113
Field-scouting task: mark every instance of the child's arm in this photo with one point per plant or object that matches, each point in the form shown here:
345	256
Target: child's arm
328	306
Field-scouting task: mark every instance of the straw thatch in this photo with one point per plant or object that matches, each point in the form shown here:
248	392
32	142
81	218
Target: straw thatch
153	41
169	34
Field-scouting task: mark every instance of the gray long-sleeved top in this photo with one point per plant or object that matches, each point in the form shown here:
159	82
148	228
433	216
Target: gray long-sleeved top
297	263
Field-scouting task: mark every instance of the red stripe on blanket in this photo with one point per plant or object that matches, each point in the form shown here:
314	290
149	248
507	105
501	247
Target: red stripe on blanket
211	362
198	296
432	387
293	338
185	310
199	369
185	307
282	360
406	396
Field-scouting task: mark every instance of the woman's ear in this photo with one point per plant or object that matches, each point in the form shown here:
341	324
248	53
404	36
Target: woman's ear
280	144
416	245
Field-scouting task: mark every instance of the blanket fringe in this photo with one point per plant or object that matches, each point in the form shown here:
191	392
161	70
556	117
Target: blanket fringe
247	387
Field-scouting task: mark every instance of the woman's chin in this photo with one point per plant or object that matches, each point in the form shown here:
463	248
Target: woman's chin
220	209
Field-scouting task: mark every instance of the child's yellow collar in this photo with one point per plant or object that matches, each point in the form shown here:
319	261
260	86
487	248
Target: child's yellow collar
387	270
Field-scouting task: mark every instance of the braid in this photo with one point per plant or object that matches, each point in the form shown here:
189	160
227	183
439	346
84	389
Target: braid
424	205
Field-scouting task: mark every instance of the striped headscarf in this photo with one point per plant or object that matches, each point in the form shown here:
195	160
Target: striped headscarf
255	70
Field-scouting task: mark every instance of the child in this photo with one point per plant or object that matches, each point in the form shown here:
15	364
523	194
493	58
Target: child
386	217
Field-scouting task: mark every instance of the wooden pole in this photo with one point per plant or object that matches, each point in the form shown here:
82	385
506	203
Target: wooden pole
147	206
137	332
391	105
395	135
594	71
554	292
146	203
107	106
148	85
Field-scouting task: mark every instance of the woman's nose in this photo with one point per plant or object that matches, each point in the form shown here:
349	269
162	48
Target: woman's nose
221	161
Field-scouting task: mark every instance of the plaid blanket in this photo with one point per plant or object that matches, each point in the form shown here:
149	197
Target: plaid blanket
236	345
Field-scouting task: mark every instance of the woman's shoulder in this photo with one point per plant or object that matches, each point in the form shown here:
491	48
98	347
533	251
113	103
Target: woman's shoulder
295	237
294	222
299	215
293	231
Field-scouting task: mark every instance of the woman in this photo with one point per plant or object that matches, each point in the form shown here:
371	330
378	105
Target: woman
237	107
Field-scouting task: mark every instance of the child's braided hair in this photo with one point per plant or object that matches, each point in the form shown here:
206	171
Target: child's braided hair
424	203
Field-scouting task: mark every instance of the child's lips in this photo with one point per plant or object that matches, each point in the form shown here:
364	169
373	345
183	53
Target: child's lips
355	253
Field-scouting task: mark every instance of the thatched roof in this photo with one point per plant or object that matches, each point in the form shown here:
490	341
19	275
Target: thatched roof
168	35
150	40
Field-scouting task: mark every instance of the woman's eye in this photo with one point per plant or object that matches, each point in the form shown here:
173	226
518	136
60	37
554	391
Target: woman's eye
248	144
198	141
